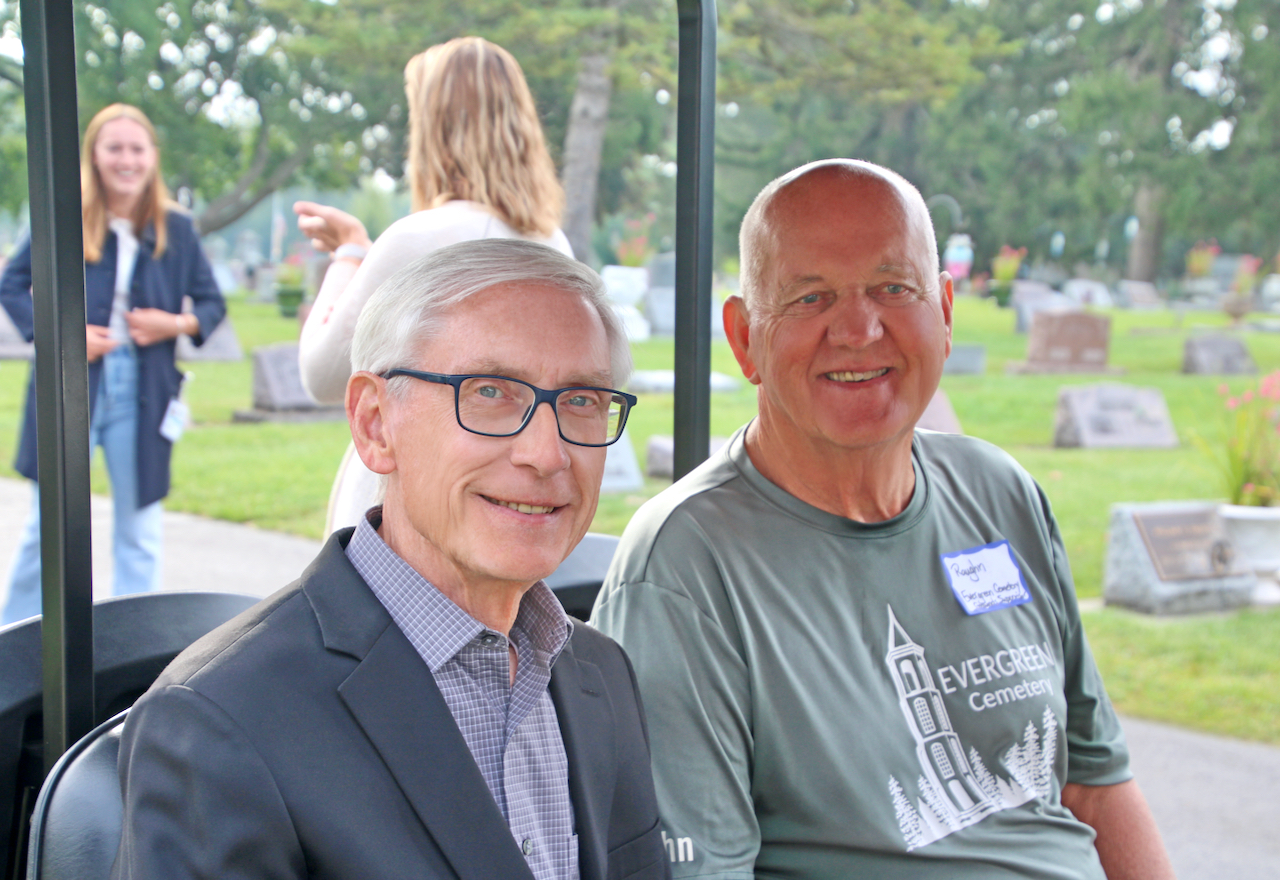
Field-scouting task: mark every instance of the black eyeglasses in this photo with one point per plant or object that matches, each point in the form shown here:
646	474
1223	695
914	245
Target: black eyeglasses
499	406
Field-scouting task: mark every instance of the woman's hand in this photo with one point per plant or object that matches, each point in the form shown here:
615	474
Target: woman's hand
98	341
149	326
329	227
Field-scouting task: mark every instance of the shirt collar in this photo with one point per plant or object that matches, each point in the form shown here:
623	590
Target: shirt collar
436	626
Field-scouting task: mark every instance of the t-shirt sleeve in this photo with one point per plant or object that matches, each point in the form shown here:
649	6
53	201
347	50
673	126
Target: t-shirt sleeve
1096	750
697	700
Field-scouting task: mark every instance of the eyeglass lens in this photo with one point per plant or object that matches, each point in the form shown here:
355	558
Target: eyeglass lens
499	406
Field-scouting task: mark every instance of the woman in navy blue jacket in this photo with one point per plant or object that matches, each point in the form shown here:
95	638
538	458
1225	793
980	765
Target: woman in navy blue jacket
142	256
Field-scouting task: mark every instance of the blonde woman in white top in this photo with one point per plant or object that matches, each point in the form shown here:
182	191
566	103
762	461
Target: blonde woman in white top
478	167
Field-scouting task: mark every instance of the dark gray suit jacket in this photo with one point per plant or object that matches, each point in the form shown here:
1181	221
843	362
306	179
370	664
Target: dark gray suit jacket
307	738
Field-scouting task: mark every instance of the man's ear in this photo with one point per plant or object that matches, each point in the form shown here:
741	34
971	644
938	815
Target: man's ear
367	413
946	292
737	327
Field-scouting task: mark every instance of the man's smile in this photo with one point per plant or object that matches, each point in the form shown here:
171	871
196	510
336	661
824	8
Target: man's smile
850	376
519	506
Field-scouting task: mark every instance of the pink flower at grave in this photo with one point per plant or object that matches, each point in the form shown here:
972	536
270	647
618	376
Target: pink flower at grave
1270	386
1247	396
1232	403
1247	488
1223	389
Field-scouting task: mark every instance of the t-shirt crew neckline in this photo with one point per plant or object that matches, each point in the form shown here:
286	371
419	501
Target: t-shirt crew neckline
821	519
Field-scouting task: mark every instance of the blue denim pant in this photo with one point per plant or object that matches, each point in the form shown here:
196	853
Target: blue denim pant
137	534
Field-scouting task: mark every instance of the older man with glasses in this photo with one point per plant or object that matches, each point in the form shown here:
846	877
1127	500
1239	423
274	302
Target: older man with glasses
418	704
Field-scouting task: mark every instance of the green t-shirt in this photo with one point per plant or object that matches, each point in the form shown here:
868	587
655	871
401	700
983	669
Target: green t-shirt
822	705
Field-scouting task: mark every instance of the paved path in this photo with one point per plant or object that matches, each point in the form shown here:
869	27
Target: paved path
1216	800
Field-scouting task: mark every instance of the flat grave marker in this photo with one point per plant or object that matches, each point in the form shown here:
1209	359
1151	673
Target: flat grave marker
1173	558
966	360
1109	416
1216	354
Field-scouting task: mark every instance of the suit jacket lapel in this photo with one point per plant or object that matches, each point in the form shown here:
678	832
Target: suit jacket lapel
394	698
586	726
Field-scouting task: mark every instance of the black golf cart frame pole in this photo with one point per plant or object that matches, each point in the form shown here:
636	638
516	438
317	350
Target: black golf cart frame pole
695	171
62	379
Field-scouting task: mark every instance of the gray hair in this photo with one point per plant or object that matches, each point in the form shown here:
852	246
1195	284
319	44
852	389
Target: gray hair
757	239
412	306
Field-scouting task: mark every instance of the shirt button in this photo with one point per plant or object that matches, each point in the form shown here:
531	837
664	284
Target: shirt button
528	846
489	640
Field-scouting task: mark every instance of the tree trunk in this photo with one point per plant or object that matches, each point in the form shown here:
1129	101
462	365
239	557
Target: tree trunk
583	144
1144	250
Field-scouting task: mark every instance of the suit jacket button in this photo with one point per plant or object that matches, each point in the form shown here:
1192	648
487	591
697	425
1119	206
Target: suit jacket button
528	846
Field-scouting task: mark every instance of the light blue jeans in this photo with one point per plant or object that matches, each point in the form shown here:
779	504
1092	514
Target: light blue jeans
137	534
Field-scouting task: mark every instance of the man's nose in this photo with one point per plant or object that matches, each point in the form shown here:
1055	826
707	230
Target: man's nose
540	445
855	321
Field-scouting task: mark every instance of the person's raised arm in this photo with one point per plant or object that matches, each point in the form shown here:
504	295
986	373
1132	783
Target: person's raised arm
1129	844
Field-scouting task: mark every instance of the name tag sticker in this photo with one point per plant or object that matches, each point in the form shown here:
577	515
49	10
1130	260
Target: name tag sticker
985	578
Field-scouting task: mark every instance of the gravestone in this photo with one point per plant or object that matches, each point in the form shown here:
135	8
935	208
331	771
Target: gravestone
222	345
634	324
1139	294
1216	354
1111	416
625	285
12	346
660	298
1088	292
1172	558
278	394
966	360
621	469
940	416
1031	297
1067	343
664	382
660	454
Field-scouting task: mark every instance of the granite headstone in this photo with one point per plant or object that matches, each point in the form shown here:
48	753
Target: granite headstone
966	359
1172	558
1111	416
1067	343
1216	354
278	394
621	469
1030	298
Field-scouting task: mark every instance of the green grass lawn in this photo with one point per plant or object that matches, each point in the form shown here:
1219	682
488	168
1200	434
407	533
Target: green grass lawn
1215	673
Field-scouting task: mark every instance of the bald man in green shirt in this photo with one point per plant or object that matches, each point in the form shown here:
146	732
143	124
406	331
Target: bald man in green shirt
858	643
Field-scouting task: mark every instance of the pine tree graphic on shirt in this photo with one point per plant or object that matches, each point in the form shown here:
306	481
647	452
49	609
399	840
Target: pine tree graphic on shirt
956	788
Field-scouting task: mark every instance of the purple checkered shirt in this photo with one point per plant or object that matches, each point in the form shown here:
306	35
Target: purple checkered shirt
511	730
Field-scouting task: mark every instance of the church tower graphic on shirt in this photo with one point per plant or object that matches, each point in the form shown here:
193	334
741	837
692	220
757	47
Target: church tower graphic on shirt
956	789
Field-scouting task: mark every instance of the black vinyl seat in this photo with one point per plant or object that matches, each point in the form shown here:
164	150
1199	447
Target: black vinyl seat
75	828
135	637
579	578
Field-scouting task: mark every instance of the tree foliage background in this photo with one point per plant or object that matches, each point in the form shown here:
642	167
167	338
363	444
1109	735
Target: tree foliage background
1039	117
